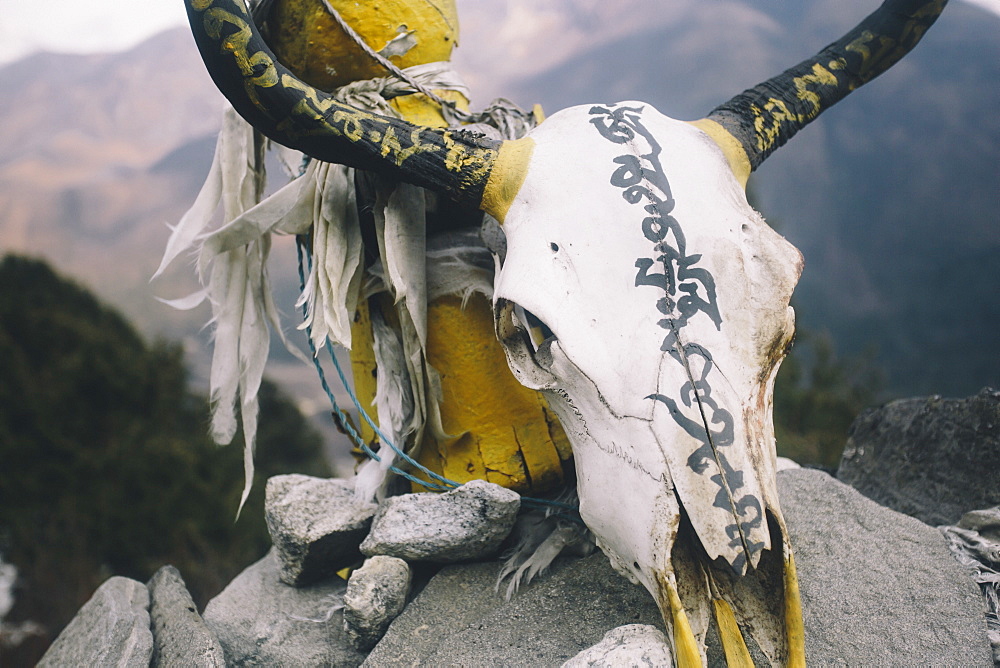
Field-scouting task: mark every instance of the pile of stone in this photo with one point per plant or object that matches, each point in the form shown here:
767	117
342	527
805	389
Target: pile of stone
878	588
291	608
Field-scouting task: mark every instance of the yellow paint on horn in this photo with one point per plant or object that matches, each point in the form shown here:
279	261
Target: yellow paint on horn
685	644
736	156
538	113
794	628
733	645
507	176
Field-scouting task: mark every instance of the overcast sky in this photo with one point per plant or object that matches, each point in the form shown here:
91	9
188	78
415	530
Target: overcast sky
83	26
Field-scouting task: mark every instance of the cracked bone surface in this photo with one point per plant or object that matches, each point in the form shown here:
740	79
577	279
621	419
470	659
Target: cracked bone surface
666	297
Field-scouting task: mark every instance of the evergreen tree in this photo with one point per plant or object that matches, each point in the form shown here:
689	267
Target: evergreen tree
816	398
107	466
817	395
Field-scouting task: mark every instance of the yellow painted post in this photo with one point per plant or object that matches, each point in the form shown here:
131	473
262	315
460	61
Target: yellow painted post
364	370
499	430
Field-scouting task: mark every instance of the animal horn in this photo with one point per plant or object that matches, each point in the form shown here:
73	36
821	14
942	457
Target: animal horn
470	169
759	120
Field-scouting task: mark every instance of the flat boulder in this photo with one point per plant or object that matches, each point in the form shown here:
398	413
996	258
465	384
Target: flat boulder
111	629
469	522
261	621
180	635
931	458
629	645
878	588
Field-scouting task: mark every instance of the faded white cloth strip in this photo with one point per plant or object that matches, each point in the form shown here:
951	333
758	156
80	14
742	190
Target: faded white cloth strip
321	200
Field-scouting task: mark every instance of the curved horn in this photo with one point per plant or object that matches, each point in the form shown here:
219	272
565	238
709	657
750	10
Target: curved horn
470	169
763	118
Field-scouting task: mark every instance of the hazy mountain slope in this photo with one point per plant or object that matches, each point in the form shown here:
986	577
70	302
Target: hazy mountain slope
896	211
129	108
80	182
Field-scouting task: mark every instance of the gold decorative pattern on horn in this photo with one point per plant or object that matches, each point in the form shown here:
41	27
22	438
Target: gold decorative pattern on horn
763	118
291	112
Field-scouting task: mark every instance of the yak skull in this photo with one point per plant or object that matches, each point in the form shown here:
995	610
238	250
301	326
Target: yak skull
667	299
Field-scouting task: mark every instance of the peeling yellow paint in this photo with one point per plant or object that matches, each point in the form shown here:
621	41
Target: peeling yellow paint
733	645
309	42
874	52
820	76
236	43
502	431
556	432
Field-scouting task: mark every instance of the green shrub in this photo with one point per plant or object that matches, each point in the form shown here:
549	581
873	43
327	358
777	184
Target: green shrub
107	468
816	398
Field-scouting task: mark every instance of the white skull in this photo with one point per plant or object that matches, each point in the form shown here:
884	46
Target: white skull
668	299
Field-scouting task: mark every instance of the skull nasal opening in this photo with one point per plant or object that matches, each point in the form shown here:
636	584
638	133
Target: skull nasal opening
527	340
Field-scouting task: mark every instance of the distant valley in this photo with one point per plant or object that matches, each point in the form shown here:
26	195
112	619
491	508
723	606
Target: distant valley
893	196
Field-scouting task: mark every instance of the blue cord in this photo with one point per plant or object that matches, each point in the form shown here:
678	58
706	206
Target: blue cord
300	246
343	418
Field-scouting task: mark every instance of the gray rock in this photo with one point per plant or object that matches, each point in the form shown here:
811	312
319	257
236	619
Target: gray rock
784	463
180	635
467	523
376	594
986	522
459	619
878	588
316	525
630	645
111	629
260	621
927	457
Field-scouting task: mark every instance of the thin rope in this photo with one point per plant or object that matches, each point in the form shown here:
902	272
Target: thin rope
300	246
342	417
387	64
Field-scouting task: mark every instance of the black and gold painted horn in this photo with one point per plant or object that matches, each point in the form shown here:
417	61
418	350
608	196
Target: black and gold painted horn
470	169
486	173
755	123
